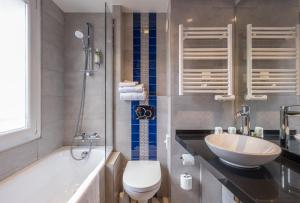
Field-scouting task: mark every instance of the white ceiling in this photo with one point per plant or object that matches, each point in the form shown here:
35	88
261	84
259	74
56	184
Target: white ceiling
144	6
94	6
81	6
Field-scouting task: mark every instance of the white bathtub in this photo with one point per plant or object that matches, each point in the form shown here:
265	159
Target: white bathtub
58	178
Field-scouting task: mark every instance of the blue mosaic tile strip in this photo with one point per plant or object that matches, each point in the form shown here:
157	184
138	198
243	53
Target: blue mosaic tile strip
152	129
136	73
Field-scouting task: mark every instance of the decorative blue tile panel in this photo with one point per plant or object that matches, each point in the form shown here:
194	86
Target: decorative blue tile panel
137	140
152	40
152	49
152	137
152	152
137	47
135	129
152	86
152	72
135	150
135	132
136	74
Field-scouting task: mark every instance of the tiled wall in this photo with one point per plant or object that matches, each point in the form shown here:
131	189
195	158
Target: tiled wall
52	78
124	70
136	76
52	96
94	116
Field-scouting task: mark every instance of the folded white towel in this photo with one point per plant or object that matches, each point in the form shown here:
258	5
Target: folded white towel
127	83
133	96
137	88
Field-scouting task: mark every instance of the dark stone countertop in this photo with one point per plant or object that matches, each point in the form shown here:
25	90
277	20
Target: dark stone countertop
276	182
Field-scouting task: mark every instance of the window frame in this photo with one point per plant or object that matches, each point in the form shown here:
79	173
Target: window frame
33	128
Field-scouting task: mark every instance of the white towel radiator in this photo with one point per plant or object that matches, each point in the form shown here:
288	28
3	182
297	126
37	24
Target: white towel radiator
206	80
262	81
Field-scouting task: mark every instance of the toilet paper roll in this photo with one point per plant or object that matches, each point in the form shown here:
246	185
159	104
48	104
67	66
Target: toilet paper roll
186	181
187	160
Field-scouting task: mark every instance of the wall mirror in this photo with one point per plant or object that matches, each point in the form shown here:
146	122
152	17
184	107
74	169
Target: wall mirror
267	62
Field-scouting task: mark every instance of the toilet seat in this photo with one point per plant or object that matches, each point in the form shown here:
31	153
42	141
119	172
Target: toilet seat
142	176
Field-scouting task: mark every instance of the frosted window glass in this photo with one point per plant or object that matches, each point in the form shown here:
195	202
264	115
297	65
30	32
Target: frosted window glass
13	65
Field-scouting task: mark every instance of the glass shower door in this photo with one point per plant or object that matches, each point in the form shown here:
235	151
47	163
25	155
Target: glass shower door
108	81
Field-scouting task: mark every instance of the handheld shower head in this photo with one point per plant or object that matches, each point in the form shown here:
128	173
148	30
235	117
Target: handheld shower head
79	34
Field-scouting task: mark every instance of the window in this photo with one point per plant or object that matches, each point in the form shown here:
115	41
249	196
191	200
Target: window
14	65
19	72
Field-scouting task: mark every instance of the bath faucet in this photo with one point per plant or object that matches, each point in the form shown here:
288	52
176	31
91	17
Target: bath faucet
88	137
285	112
244	114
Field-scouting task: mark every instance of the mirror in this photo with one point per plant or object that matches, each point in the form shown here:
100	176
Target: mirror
271	50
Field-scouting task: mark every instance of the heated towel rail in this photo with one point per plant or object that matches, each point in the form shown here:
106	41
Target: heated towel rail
263	81
206	80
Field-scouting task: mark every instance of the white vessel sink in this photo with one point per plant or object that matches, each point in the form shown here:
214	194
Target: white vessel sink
242	151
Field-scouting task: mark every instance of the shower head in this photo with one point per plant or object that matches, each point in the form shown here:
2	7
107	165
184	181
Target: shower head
86	36
79	34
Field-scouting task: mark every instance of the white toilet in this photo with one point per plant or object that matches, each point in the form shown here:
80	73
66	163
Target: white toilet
142	179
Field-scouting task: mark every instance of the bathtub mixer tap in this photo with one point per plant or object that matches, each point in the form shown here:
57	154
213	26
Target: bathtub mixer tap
85	137
88	137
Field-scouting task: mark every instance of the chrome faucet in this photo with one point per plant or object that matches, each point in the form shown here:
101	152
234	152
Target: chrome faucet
285	112
87	137
244	114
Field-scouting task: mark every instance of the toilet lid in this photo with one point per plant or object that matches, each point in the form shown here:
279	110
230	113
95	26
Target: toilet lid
142	176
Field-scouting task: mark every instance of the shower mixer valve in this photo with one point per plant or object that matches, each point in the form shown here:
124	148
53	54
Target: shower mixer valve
88	137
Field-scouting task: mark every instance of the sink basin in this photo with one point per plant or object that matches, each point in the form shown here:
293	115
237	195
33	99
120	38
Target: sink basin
242	151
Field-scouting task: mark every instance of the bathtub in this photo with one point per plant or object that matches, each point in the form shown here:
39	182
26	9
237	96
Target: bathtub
58	178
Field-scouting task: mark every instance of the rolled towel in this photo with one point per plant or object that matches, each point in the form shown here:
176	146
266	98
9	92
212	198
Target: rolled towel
127	83
133	96
137	88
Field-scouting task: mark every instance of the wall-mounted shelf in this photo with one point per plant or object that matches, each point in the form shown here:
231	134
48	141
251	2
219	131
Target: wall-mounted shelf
206	80
262	81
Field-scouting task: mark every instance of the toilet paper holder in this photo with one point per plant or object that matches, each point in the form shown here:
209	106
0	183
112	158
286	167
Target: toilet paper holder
187	159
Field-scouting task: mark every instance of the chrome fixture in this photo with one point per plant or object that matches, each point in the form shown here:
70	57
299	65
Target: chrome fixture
84	137
244	114
285	112
92	56
79	34
87	39
88	47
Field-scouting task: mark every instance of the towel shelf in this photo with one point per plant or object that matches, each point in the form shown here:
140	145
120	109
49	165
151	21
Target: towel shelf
272	80
206	80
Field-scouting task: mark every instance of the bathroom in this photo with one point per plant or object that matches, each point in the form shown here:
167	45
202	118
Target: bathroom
134	101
